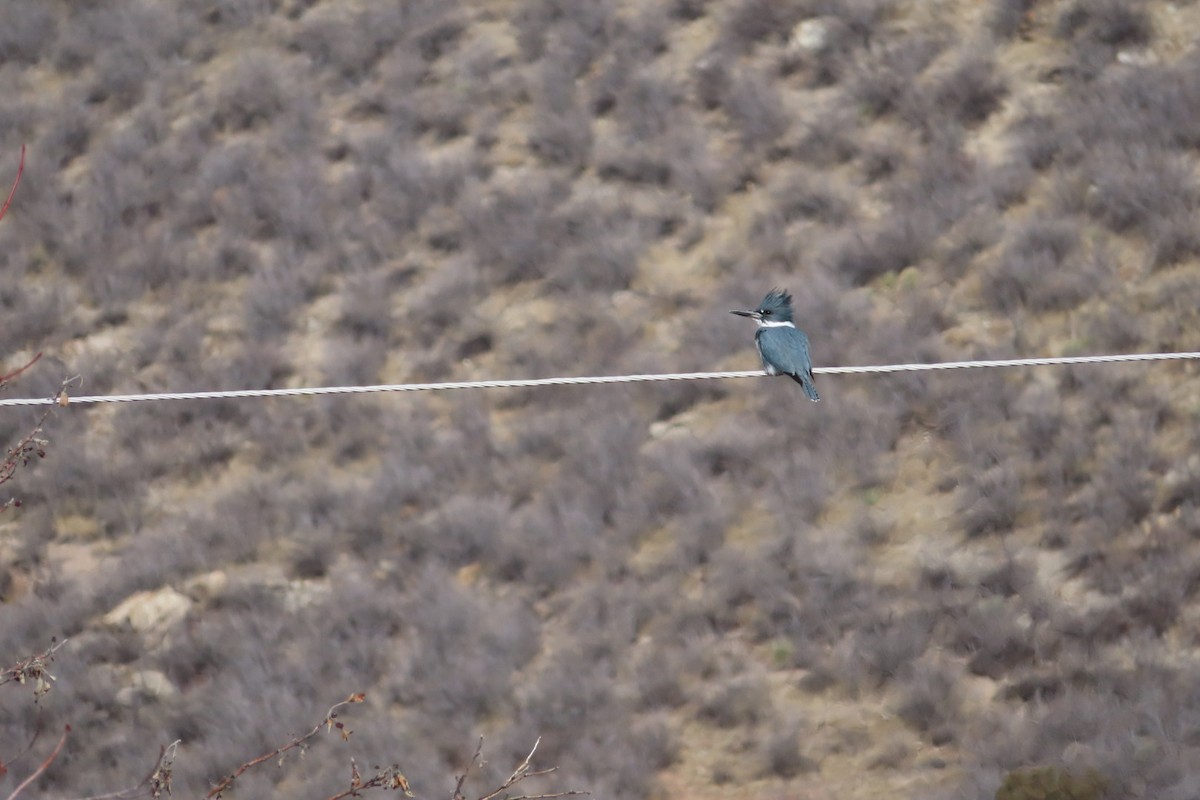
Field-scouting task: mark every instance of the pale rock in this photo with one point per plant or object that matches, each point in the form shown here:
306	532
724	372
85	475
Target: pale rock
149	684
208	586
150	612
1137	58
811	35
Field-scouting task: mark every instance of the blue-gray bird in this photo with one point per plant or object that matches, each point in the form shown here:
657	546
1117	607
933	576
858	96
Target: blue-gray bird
782	346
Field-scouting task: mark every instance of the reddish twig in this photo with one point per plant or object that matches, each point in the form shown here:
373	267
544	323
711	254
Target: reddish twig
13	191
330	722
33	776
16	372
37	734
30	444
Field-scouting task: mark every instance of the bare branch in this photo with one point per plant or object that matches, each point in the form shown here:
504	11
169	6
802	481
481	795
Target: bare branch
33	740
158	779
4	379
458	785
522	772
13	191
34	668
330	722
32	444
391	778
33	776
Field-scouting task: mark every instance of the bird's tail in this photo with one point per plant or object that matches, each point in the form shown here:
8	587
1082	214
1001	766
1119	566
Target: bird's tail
810	388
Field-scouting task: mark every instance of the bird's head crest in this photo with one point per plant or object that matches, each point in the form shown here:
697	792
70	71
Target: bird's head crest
779	303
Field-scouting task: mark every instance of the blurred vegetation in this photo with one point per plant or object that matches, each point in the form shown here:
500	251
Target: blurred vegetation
1049	783
924	586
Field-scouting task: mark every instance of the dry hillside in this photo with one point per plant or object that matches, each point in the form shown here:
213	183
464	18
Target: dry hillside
969	584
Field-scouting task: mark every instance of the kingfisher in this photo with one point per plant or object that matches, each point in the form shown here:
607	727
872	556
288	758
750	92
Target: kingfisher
782	346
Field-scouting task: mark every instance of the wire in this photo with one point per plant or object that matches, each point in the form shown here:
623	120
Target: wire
517	384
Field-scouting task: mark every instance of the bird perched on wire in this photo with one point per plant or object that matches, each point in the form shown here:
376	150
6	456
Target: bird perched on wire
782	346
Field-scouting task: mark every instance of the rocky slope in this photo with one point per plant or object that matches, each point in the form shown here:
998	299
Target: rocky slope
927	585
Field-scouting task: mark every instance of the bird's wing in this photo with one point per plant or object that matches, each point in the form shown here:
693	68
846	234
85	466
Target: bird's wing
786	349
762	354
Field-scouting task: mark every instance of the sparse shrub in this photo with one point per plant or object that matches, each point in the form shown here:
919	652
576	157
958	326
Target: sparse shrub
782	750
1174	239
198	654
860	254
602	244
1133	188
800	194
573	691
444	619
695	170
31	25
646	105
1038	139
1052	783
583	28
879	161
883	79
825	141
258	193
756	110
957	251
1114	326
562	138
337	41
995	644
741	700
1157	607
630	161
310	559
366	308
270	302
749	22
1122	486
687	10
1097	30
711	78
885	650
969	92
1008	16
1110	22
514	231
989	501
446	115
235	15
436	33
1009	184
1039	269
1010	578
656	741
252	91
930	703
658	676
861	17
